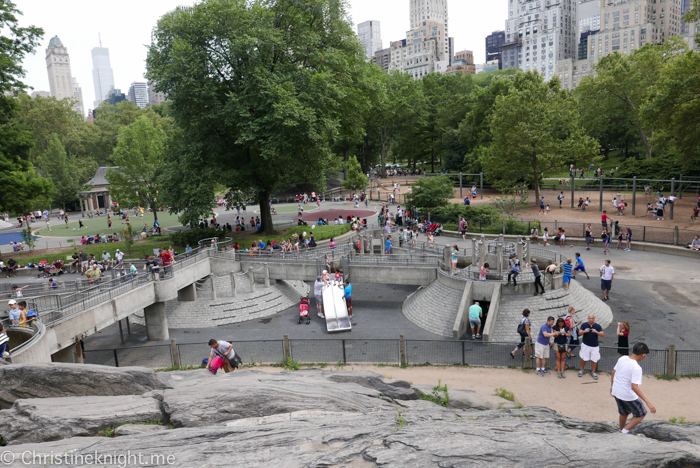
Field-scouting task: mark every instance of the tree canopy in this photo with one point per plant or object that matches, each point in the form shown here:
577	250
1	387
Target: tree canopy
257	89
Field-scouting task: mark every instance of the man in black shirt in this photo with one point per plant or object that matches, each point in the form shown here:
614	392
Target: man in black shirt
75	264
11	267
590	349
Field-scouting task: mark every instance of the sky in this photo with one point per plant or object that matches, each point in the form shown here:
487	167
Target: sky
125	28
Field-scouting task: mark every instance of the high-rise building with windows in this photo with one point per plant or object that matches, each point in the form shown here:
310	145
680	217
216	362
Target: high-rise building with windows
102	74
625	26
138	94
155	97
539	33
494	42
78	96
370	35
60	77
424	48
432	10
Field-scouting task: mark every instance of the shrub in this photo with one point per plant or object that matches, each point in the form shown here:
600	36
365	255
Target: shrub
439	395
193	236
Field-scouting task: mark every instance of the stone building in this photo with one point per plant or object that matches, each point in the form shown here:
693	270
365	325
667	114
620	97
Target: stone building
97	198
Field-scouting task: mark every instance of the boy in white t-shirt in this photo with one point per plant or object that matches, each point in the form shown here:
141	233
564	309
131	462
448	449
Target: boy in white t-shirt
624	386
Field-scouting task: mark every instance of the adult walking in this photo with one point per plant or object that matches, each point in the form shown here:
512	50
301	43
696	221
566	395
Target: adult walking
607	273
561	334
225	351
623	338
475	315
624	387
542	347
590	349
538	276
523	331
463	226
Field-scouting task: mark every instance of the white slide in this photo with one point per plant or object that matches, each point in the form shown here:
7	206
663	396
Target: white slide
335	309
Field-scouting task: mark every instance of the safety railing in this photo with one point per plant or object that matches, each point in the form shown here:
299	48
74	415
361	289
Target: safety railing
372	351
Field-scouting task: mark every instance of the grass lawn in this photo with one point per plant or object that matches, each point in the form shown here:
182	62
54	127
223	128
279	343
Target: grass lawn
138	250
141	248
320	233
99	225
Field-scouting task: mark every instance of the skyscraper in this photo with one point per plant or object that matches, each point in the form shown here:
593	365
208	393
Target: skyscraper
370	35
154	97
58	68
138	94
494	41
102	75
432	10
78	95
538	34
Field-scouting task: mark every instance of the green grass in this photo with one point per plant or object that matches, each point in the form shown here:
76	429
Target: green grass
505	394
109	432
288	364
400	421
137	251
439	395
680	420
99	225
179	368
320	233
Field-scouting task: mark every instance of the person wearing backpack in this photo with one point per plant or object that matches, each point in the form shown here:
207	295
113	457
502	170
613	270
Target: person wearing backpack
463	226
523	331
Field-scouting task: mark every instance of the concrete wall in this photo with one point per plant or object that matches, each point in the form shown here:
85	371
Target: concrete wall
462	320
483	290
417	276
490	325
453	282
222	267
282	271
38	351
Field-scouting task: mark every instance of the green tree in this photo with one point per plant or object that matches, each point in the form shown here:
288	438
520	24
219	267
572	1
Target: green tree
355	179
535	129
21	187
692	15
257	88
62	172
140	159
431	192
675	108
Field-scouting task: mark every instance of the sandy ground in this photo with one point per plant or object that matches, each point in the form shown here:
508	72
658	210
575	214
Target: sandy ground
582	398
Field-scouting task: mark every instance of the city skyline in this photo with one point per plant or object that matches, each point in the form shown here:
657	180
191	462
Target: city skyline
470	22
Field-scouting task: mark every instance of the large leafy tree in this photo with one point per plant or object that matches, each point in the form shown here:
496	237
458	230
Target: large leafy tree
675	108
21	187
140	160
535	129
257	87
62	171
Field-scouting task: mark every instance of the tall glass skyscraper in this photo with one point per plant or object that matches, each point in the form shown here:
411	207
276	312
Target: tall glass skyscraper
102	75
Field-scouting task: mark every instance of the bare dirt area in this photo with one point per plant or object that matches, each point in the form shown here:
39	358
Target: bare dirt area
582	398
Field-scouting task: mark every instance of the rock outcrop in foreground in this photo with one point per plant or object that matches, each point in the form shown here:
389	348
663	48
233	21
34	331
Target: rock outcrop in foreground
308	418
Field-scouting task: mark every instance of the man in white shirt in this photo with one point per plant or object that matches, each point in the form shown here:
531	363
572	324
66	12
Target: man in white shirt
224	350
608	273
120	257
624	387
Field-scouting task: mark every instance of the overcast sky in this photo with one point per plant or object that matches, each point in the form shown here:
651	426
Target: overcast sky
126	26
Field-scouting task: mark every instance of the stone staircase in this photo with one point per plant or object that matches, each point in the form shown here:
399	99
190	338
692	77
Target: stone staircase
434	308
552	303
226	309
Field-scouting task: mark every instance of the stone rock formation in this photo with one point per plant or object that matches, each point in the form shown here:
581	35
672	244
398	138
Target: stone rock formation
319	418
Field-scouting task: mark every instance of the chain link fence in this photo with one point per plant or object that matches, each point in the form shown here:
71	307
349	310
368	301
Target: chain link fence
380	351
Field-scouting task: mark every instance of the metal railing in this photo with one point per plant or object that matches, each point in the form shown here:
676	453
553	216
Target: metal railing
377	351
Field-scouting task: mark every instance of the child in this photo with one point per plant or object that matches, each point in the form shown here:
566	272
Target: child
545	236
562	238
547	210
484	271
696	212
580	266
619	240
606	243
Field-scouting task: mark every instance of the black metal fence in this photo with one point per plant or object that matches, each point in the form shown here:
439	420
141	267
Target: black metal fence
377	351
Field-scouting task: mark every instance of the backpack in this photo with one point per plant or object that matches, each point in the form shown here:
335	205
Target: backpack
569	320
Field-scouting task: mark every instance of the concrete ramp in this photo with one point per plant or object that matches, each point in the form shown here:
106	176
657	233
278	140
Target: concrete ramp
434	307
335	309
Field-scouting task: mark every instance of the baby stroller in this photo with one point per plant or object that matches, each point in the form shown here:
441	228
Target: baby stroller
304	313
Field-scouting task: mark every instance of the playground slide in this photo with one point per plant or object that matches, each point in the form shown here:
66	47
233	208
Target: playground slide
334	308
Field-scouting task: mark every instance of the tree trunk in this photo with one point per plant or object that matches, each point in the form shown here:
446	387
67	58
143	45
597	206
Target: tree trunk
432	161
154	209
266	225
536	181
645	141
345	160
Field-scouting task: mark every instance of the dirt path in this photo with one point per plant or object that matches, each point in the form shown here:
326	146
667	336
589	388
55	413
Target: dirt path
582	398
